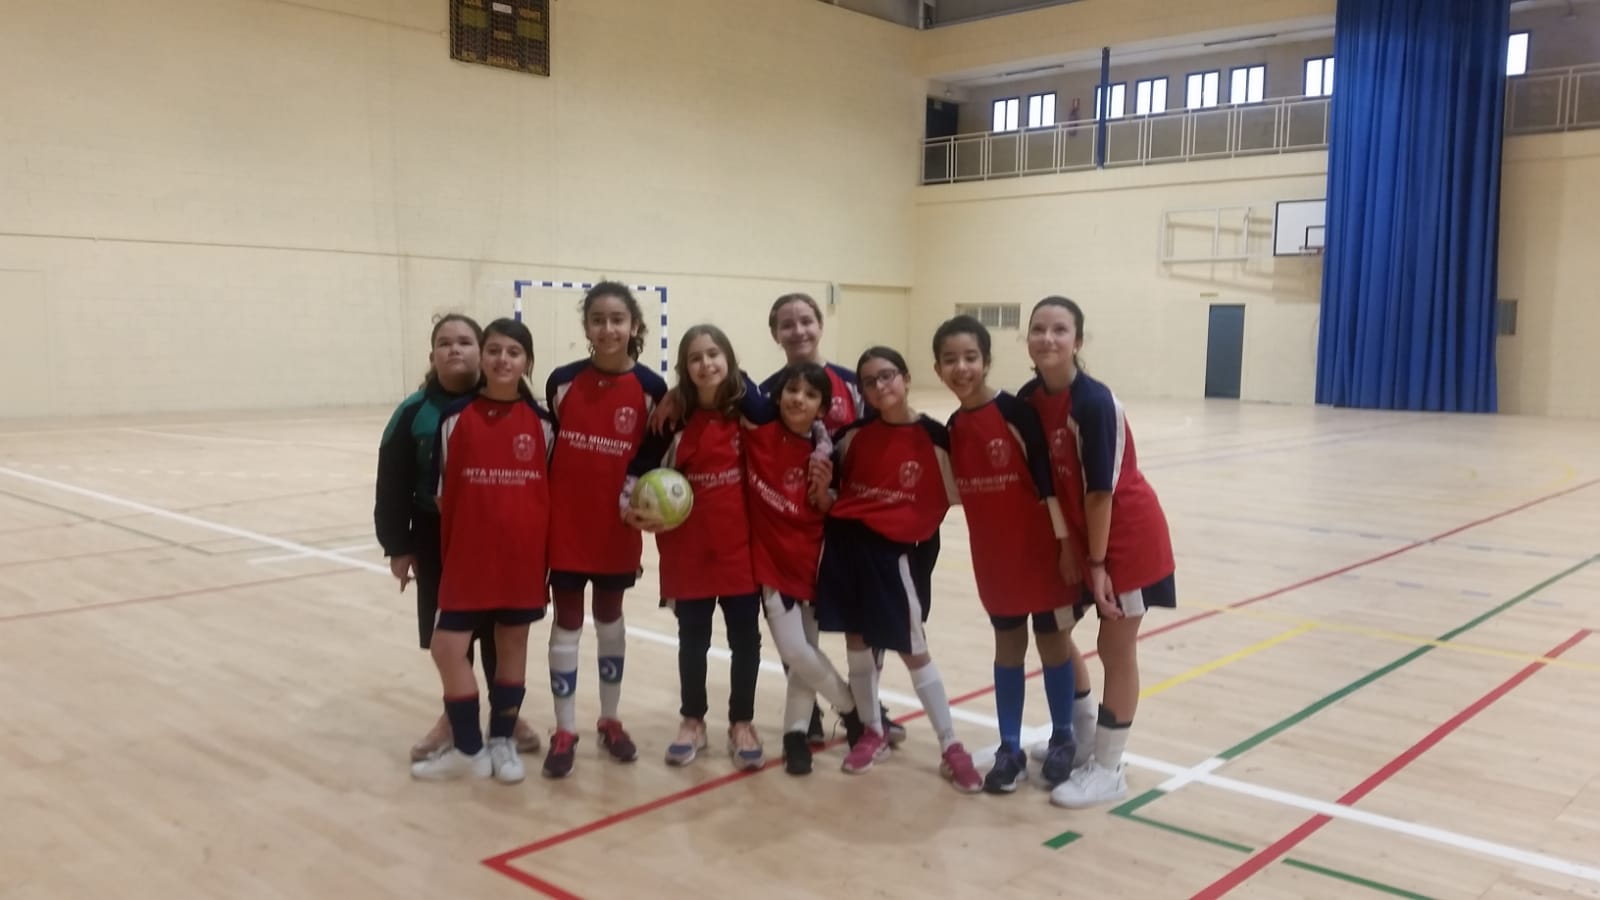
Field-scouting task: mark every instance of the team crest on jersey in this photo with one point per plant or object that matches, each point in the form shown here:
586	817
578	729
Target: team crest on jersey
522	446
999	453
1059	441
626	420
910	474
836	408
794	479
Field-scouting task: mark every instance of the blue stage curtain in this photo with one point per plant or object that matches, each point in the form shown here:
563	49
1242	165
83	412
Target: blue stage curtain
1413	232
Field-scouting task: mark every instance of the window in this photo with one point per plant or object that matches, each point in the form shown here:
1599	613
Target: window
1319	76
1517	54
1005	114
1042	110
993	315
1202	90
1249	84
1150	96
1119	97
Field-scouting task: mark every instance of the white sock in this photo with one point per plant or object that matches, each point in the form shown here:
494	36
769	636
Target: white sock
864	688
564	676
1109	742
930	690
612	644
1085	713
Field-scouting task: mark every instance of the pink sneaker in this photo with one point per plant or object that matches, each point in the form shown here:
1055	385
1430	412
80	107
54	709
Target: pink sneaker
869	749
960	771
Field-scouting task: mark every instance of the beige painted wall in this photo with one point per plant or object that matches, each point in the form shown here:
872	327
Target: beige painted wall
1095	237
245	203
1550	189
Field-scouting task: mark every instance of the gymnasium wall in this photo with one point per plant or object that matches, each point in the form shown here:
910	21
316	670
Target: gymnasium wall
1095	237
1550	189
251	203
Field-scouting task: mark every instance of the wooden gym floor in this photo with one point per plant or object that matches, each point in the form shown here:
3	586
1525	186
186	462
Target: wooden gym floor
1381	679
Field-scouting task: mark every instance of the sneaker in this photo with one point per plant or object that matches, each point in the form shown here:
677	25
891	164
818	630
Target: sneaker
558	761
506	763
797	753
1060	758
453	764
1085	749
744	745
893	731
436	741
616	741
527	739
816	735
959	770
690	741
1091	785
853	727
868	749
1010	769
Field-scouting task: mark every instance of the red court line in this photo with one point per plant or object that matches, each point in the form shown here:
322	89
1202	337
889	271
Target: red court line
154	598
501	863
1283	845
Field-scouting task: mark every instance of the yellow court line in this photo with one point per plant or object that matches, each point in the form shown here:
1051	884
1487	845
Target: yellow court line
1221	661
1401	638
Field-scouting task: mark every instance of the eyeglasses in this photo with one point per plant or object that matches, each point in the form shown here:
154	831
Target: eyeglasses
881	380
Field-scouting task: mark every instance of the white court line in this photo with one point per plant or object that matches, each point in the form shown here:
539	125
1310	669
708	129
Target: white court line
1198	774
259	560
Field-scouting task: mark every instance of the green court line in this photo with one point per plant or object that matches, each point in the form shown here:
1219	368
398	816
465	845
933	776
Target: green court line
1062	839
1263	736
1346	877
1129	810
1353	879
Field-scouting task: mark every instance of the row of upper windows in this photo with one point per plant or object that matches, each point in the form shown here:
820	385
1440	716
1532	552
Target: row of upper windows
1247	84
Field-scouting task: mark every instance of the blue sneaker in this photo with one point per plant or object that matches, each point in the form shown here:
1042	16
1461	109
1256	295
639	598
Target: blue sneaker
1058	759
1010	769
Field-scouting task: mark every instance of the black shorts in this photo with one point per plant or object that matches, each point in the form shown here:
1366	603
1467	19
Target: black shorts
1048	622
875	587
476	619
576	581
1138	601
425	541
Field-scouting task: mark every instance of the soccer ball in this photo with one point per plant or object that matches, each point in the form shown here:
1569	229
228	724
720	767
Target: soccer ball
663	495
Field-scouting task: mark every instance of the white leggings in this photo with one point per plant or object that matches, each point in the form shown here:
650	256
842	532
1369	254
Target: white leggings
795	631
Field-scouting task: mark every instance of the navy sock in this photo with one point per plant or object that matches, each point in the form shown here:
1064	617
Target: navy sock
1058	690
1009	688
505	704
464	727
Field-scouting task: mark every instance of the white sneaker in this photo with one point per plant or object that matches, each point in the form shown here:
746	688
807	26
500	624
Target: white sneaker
1090	785
453	764
1084	753
505	761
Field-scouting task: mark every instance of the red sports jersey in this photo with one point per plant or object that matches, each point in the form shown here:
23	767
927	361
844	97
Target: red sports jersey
1002	469
785	529
709	554
494	504
845	406
1091	450
895	479
603	420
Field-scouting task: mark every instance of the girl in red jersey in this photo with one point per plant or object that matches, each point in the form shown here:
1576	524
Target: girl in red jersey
406	513
494	515
705	561
879	546
787	453
796	324
1019	546
602	404
1126	548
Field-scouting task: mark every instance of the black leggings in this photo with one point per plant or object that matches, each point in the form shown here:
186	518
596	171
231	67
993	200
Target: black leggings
430	568
741	614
